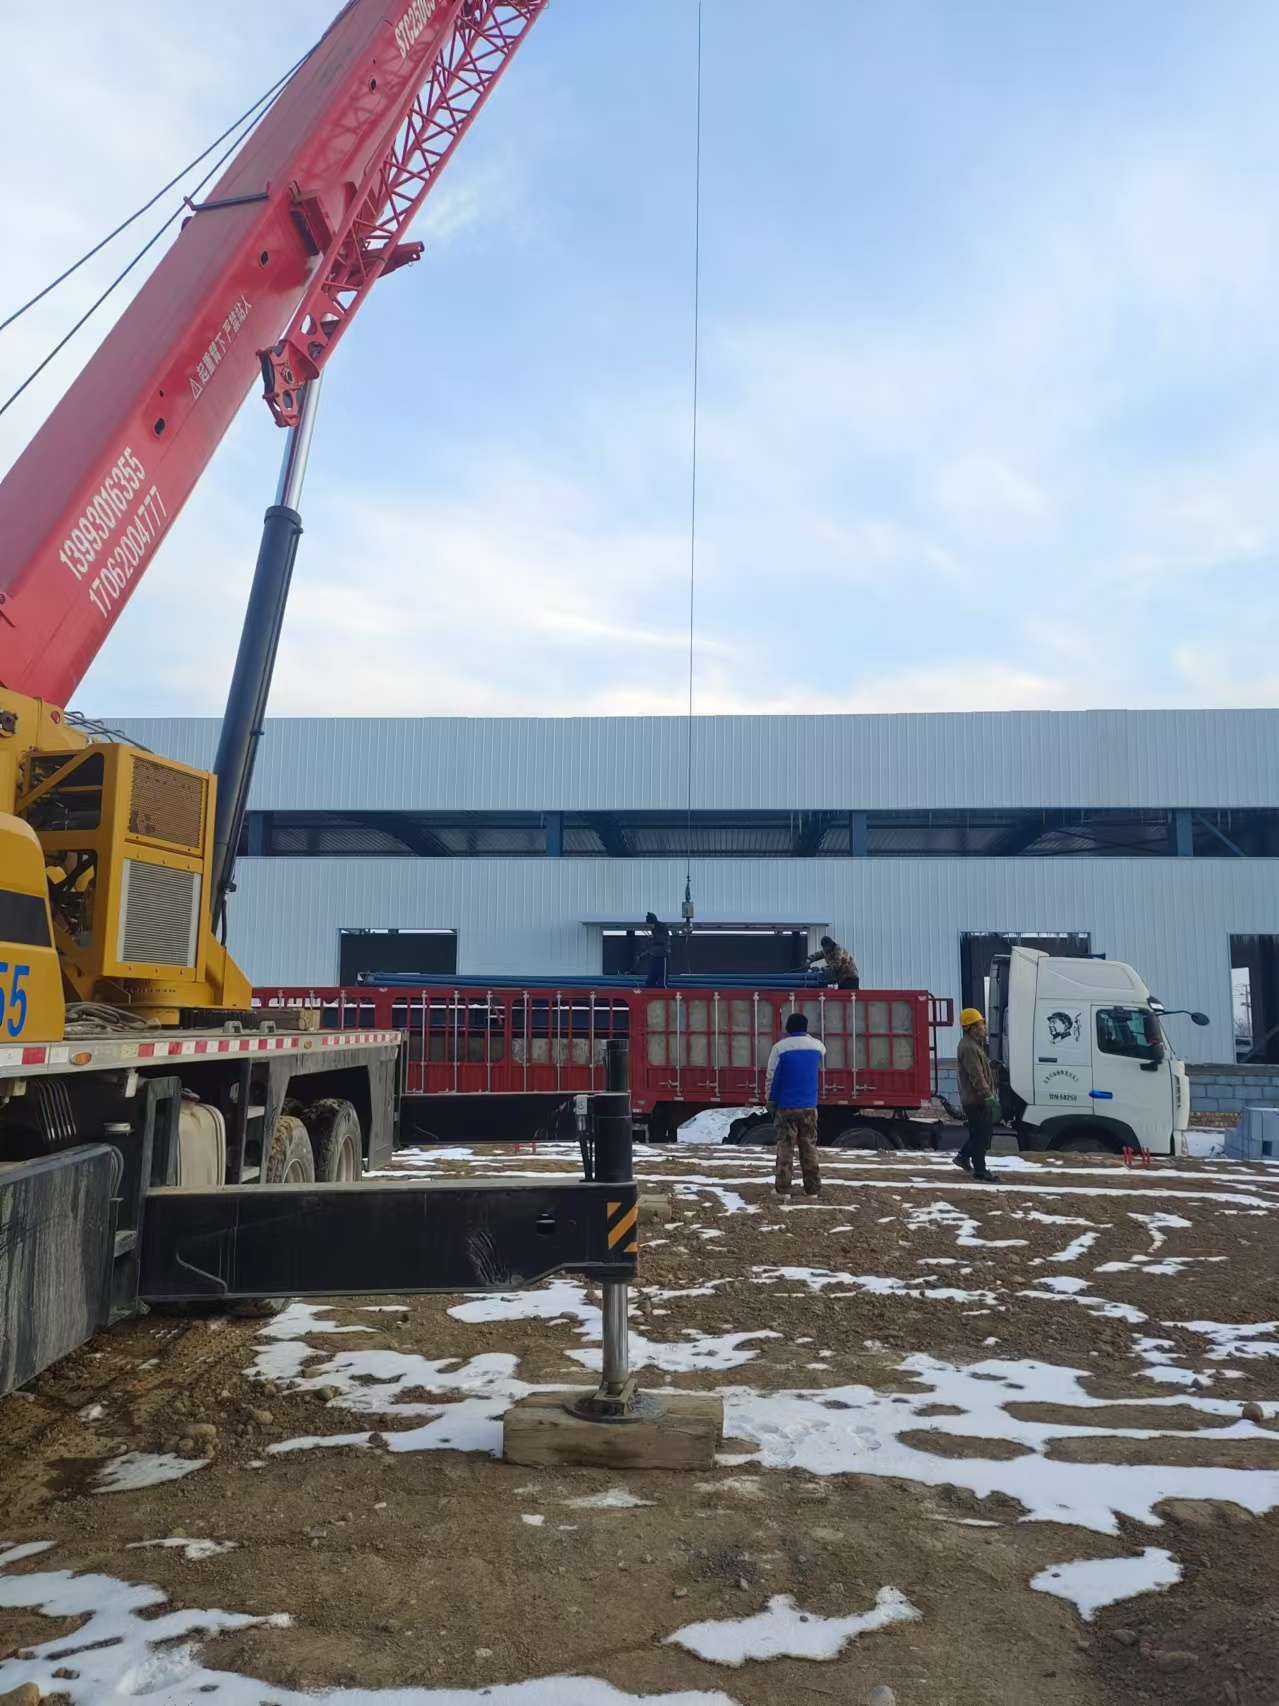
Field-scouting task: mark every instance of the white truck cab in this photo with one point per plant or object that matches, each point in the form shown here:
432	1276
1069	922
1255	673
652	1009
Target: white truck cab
1082	1058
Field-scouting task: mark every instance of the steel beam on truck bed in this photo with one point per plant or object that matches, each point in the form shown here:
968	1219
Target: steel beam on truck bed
260	1241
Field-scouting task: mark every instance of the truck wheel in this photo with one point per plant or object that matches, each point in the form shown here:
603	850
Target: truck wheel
337	1146
866	1137
758	1133
1084	1143
289	1160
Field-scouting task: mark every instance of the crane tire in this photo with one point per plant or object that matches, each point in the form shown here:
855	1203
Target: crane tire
337	1144
289	1159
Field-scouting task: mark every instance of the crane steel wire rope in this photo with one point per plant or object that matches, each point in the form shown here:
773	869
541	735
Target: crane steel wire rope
692	520
239	130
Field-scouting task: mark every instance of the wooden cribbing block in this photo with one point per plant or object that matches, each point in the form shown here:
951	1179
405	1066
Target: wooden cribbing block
539	1432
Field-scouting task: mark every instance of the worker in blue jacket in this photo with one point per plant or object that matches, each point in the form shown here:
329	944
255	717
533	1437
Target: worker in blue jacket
791	1088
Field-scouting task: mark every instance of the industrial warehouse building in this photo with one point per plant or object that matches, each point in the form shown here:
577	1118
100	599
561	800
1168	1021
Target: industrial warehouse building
925	842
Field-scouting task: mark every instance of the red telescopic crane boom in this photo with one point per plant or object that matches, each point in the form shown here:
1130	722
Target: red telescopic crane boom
262	280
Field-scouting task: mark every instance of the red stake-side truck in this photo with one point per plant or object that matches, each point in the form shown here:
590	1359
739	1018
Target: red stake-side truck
158	1140
483	1062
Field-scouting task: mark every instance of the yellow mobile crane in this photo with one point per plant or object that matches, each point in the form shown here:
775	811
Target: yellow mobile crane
131	1060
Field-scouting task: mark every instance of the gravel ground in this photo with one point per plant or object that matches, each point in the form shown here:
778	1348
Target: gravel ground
939	1397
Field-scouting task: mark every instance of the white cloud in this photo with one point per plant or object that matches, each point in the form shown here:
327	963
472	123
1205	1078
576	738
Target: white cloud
1038	472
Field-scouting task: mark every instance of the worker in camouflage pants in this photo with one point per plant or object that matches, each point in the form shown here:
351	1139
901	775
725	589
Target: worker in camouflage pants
790	1089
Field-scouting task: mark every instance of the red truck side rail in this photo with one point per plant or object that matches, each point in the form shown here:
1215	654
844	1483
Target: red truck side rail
694	1048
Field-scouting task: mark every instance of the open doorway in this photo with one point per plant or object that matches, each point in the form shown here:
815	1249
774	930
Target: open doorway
1254	981
715	953
369	952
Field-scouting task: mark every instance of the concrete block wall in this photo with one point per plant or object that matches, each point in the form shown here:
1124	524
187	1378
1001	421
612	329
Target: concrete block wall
1231	1089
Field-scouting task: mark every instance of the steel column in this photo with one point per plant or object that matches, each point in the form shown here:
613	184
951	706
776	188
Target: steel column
617	1365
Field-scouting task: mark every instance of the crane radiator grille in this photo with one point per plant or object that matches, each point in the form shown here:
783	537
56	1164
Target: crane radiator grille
166	804
159	915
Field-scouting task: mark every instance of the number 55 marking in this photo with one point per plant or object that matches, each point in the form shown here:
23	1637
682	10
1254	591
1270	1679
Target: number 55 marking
16	999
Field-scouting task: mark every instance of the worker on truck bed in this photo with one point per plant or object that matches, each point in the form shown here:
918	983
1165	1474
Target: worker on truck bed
790	1089
658	951
841	967
978	1094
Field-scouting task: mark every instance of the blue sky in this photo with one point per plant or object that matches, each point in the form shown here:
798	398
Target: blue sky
990	363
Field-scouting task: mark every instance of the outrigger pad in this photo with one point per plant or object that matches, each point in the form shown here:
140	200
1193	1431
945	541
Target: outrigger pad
541	1432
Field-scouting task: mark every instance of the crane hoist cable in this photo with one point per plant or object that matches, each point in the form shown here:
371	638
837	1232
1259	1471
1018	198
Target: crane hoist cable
237	131
692	519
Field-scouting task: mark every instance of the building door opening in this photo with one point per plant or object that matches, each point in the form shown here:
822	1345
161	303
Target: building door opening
714	953
370	952
1254	978
978	949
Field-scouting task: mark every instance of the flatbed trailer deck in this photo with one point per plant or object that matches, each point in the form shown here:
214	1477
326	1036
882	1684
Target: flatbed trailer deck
161	1167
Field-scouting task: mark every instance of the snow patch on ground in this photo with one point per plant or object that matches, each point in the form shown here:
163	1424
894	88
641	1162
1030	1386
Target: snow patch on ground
732	1202
194	1550
1096	1305
1091	1583
1254	1339
1075	1249
857	1430
137	1469
1160	1225
1156	1353
119	1653
922	1215
371	1381
565	1300
881	1285
1167	1268
615	1499
1049	1219
783	1631
300	1318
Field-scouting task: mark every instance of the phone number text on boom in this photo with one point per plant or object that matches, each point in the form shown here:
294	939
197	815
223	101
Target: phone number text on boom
115	574
102	516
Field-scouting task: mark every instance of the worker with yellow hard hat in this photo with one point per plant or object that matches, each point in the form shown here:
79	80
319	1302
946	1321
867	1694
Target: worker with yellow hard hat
978	1095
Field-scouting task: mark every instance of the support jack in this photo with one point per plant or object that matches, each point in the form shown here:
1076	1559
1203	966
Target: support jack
617	1426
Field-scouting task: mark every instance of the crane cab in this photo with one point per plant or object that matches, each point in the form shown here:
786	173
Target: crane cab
31	1005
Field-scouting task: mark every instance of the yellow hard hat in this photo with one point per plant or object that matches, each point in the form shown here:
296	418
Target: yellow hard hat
970	1016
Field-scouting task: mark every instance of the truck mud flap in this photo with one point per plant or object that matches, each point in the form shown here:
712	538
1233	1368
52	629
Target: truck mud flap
260	1241
57	1242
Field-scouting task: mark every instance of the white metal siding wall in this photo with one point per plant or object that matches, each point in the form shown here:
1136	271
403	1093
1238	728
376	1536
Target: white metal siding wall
1171	918
911	762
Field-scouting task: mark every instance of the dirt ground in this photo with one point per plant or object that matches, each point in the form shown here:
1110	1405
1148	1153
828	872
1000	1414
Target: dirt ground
930	1385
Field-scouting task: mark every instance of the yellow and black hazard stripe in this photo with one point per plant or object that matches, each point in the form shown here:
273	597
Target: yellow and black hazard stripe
621	1222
